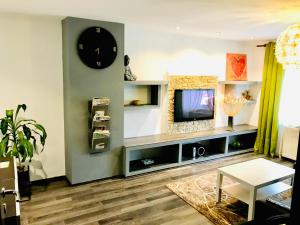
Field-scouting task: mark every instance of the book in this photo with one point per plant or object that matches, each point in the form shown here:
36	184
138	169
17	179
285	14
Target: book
100	101
98	134
98	118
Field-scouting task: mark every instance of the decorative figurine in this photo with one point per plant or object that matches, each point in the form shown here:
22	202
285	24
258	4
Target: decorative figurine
128	74
246	94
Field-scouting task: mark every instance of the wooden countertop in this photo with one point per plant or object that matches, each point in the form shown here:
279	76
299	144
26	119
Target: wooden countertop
164	138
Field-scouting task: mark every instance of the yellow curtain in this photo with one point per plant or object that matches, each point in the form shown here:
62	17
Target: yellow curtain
267	133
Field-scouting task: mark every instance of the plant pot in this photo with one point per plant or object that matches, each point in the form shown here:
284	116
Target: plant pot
24	183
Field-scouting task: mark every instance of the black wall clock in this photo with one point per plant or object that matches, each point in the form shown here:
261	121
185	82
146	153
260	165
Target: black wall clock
97	47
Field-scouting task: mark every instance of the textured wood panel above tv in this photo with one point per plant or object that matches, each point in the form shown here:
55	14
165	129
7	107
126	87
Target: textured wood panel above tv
189	82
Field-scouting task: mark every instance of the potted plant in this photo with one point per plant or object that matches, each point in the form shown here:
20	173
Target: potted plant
19	139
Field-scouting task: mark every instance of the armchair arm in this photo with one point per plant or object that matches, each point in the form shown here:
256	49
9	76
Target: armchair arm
273	220
278	219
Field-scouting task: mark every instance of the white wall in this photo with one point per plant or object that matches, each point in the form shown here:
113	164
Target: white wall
157	54
31	73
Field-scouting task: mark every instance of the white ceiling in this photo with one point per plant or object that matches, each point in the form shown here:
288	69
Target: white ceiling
227	19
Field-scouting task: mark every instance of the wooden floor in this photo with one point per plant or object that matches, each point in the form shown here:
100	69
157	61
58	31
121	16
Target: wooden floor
143	199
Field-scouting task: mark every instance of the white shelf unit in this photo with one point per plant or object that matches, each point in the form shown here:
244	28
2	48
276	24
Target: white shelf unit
147	92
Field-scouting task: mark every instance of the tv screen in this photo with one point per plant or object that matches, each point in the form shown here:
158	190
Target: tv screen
193	104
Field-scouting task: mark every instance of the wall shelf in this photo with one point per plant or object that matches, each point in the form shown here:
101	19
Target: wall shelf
232	82
147	82
141	106
146	92
251	101
171	150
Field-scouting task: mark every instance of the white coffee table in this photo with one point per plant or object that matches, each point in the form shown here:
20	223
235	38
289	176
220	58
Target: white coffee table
257	179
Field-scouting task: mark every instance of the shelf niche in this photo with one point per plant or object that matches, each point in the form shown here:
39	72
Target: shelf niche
148	93
236	88
204	148
161	156
241	142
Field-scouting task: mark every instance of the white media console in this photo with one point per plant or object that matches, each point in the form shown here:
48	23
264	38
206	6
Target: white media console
172	150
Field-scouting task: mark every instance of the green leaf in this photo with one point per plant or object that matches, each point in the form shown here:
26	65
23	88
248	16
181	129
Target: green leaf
29	148
20	135
3	146
27	132
14	151
21	149
25	150
43	136
25	121
4	126
1	150
9	113
34	142
22	106
8	153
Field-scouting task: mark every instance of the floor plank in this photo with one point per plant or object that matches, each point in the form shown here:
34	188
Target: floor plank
143	199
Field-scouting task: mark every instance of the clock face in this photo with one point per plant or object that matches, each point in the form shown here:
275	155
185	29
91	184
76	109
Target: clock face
97	48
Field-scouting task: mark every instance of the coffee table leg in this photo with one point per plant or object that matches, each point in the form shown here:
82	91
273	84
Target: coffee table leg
219	186
252	199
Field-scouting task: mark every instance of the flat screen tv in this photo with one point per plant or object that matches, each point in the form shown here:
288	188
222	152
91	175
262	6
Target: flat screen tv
194	104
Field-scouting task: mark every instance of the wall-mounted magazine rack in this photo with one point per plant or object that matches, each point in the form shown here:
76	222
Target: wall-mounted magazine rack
99	125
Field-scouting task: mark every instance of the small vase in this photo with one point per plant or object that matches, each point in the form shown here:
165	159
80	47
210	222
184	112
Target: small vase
230	123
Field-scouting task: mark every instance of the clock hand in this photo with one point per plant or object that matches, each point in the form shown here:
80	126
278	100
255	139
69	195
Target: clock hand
97	50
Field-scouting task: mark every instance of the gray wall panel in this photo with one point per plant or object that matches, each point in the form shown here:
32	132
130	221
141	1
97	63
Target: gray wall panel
81	84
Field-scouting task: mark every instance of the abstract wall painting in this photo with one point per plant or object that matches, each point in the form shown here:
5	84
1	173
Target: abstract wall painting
236	66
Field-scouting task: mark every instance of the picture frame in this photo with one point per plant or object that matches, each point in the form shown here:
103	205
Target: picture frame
236	67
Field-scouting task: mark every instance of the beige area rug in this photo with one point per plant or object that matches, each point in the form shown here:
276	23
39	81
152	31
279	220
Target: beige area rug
200	193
